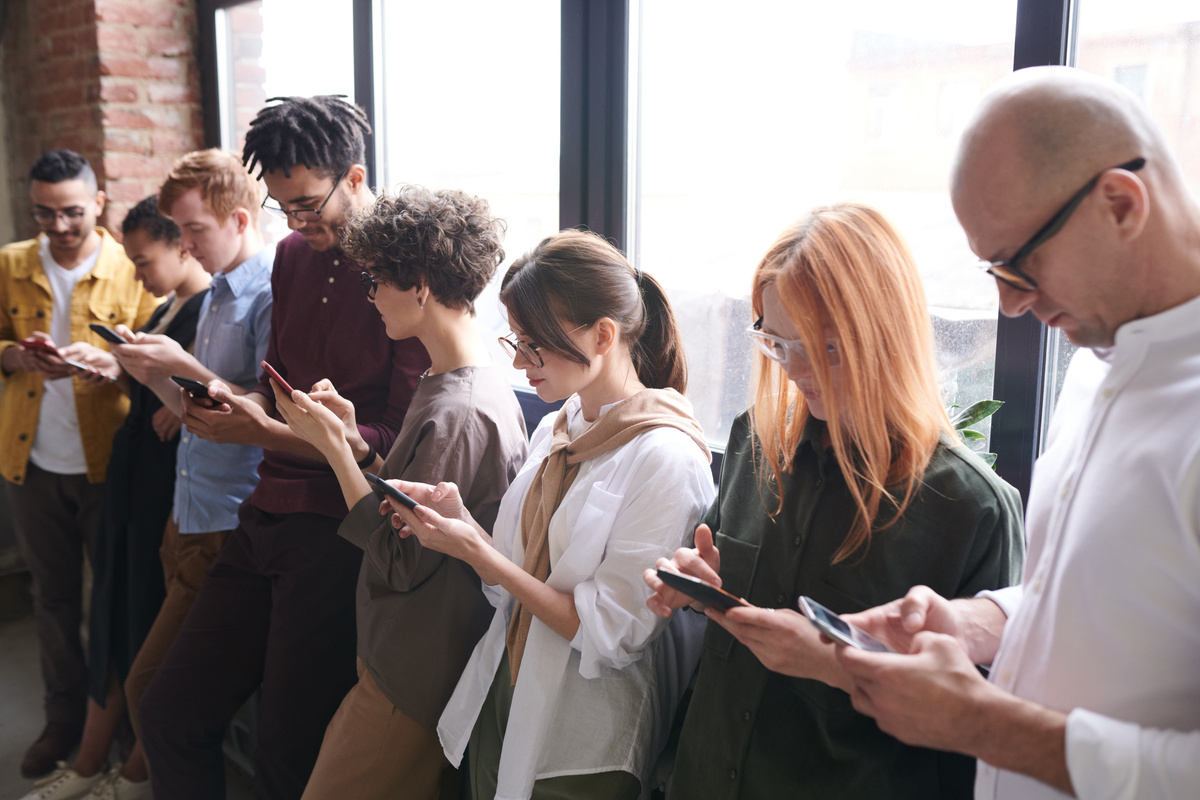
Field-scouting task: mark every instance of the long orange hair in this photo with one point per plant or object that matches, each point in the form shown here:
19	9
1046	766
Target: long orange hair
844	271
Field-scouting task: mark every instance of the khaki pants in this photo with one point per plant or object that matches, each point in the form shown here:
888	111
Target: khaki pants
185	559
372	750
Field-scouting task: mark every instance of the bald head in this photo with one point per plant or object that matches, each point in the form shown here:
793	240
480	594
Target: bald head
1043	132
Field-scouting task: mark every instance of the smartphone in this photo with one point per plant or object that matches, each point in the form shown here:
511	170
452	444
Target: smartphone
194	388
700	590
287	387
107	334
383	488
38	344
838	629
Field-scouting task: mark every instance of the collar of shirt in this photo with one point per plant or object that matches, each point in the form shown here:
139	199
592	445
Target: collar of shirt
241	276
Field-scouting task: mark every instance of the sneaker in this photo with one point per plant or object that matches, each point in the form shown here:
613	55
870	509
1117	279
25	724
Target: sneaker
116	786
64	784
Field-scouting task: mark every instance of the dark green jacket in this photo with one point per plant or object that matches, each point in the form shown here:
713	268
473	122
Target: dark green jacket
752	733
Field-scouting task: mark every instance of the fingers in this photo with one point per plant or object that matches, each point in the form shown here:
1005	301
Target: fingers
706	549
915	607
323	385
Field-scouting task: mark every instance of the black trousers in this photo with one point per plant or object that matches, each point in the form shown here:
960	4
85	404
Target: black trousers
276	609
56	519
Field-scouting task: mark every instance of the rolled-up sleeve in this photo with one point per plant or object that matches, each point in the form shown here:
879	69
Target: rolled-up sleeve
1113	760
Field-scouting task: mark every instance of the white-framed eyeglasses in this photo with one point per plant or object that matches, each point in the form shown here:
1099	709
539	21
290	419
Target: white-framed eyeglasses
779	349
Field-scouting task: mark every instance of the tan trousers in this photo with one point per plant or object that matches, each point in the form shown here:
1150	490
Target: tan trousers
373	750
185	559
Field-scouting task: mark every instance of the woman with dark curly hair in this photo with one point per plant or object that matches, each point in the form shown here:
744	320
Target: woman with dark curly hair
428	255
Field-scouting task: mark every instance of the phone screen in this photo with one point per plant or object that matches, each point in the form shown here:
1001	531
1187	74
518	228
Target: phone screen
838	629
194	387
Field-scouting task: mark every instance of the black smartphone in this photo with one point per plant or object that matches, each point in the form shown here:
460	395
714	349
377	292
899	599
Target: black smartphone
383	488
107	334
287	387
838	629
700	590
193	387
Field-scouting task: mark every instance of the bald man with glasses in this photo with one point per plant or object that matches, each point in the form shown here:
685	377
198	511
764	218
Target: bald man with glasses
1069	193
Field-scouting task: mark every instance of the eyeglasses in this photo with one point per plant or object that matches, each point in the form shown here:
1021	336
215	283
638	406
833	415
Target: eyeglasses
532	352
777	348
48	216
1009	271
305	214
369	285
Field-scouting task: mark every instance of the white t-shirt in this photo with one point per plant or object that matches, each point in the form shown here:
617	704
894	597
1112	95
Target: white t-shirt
57	446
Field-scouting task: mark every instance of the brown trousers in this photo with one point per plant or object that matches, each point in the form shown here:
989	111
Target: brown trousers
373	750
185	559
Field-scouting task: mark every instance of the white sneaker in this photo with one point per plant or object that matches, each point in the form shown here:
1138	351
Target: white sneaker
64	784
116	786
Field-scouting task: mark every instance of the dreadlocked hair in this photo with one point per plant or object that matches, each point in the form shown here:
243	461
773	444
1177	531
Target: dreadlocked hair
323	133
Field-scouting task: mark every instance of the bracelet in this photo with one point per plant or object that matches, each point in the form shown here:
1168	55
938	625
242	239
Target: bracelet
369	458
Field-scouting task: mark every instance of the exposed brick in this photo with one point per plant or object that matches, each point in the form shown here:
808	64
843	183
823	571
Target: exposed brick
113	91
125	142
127	191
66	70
54	98
171	93
125	166
112	39
162	144
249	72
169	44
69	43
247	19
117	118
134	67
128	13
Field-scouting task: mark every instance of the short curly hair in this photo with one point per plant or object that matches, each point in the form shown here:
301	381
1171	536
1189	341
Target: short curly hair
447	240
145	216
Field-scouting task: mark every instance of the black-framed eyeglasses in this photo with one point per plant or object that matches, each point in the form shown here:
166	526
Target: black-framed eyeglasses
779	349
48	216
1009	271
305	214
368	283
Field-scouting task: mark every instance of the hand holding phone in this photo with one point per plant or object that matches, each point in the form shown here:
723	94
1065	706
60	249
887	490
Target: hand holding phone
193	387
287	387
385	489
38	344
699	590
838	629
107	334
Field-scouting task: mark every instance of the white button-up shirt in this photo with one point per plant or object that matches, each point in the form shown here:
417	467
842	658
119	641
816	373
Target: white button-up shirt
1106	626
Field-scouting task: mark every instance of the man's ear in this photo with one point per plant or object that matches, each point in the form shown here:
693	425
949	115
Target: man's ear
1127	202
100	199
242	217
356	177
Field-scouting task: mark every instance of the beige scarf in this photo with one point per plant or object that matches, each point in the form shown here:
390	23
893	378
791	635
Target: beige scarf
648	409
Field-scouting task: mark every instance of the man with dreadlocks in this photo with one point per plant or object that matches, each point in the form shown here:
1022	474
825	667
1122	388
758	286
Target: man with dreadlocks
277	606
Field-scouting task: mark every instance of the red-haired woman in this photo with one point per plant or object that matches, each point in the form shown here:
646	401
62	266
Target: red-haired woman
844	482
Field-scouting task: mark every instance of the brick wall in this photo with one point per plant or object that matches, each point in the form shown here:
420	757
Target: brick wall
115	80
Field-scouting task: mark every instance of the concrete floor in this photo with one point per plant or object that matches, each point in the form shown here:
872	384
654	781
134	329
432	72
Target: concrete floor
21	711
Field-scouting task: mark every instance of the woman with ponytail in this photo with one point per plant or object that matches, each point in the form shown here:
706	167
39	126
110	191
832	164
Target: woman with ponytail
844	482
572	689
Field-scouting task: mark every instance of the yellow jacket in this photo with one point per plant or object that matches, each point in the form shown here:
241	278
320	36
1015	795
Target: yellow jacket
109	294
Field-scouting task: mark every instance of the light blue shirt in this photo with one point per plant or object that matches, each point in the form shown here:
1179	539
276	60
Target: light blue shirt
212	479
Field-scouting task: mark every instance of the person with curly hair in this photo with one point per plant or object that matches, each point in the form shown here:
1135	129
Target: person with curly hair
428	255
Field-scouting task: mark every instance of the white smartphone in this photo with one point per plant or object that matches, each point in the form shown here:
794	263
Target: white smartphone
838	629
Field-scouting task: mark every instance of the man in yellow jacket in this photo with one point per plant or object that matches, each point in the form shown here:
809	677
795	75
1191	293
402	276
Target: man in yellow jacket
59	408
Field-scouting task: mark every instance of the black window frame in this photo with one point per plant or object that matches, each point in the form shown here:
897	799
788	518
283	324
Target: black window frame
593	166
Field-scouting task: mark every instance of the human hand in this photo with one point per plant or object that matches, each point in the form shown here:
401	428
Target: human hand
150	358
930	697
702	561
311	420
444	498
100	366
784	641
974	623
44	359
166	424
323	392
454	537
226	418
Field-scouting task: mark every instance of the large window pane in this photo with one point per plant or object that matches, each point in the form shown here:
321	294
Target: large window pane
750	115
471	101
1153	49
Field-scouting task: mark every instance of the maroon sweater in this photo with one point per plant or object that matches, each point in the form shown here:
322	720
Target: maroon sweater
323	326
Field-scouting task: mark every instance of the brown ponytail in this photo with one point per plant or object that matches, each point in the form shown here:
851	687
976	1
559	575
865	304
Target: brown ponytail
575	278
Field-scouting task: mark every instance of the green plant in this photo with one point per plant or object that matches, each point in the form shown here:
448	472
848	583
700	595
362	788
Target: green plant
973	415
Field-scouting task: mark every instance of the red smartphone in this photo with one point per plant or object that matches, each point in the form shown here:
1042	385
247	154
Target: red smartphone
38	344
287	387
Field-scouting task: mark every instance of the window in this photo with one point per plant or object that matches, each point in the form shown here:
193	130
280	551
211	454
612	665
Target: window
749	119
